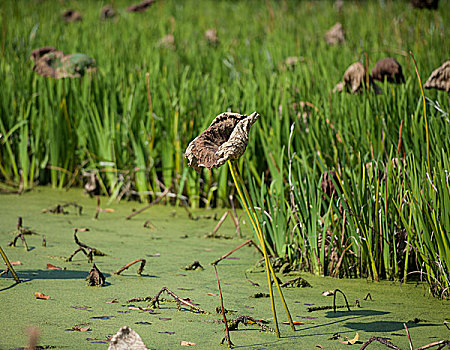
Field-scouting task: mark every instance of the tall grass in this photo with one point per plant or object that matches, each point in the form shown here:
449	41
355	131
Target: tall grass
385	221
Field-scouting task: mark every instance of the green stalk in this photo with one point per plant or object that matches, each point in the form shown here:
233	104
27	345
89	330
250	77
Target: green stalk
258	231
13	273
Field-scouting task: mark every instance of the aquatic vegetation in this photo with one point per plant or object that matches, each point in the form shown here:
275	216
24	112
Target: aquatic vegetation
123	130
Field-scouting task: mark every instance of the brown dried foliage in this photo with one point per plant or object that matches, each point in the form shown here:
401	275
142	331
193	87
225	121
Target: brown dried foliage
440	78
335	35
388	68
225	139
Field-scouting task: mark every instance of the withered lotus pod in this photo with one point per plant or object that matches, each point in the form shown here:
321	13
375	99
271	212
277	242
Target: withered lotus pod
95	277
141	7
71	16
425	4
225	139
388	68
126	339
335	35
440	78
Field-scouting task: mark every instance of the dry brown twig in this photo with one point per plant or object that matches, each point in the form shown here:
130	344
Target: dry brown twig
125	267
84	248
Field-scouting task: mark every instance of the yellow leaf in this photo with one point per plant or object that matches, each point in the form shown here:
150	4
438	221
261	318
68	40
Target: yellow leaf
350	341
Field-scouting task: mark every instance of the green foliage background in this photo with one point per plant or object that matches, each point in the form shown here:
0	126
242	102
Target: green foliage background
396	218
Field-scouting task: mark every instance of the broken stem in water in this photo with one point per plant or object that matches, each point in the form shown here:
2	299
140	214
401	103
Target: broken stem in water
139	271
248	242
223	310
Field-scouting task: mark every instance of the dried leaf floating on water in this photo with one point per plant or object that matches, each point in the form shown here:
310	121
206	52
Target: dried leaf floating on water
95	277
388	68
126	339
440	78
42	296
335	35
350	341
225	139
187	343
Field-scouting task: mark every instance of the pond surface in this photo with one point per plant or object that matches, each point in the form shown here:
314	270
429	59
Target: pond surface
170	242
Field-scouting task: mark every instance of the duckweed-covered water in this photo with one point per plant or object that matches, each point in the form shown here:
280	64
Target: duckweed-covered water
171	242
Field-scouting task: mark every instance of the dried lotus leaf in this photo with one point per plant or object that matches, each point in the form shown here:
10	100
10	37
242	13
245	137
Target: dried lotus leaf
440	78
126	339
225	139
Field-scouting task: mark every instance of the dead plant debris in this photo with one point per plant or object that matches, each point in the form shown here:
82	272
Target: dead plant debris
126	338
439	78
60	208
139	270
95	277
335	35
50	62
388	68
84	248
225	139
194	266
297	282
140	7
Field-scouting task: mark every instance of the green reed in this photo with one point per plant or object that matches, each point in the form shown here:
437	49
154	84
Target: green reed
378	224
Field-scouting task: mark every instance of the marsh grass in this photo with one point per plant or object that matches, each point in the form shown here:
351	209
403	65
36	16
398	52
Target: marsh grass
383	223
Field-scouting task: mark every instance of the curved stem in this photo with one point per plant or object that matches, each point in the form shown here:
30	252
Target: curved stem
270	265
263	246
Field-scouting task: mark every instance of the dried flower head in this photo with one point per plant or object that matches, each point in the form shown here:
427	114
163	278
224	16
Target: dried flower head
440	78
225	139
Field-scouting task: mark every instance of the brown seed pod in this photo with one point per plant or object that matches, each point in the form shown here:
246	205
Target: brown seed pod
388	68
440	78
225	139
335	35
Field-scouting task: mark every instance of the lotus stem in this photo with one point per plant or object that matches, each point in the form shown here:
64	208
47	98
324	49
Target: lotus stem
8	264
269	268
291	323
